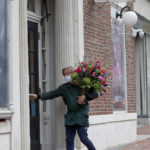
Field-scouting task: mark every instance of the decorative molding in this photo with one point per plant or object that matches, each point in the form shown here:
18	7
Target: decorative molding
34	17
6	114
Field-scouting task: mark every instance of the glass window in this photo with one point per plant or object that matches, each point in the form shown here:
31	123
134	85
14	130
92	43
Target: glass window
31	5
118	65
3	54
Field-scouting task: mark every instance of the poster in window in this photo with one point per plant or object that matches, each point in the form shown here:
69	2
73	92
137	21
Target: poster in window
118	65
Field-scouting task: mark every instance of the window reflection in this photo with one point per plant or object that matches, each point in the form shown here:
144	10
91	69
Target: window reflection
31	5
118	65
3	54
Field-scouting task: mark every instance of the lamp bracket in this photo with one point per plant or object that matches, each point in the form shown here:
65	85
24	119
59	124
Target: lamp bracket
121	11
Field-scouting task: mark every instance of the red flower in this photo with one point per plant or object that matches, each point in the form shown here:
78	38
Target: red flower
98	61
78	69
104	82
105	91
99	67
75	70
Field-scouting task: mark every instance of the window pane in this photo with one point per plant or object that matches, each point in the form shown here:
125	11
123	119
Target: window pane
118	65
3	54
31	5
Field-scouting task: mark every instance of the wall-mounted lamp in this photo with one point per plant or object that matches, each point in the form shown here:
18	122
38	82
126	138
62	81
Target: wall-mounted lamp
137	32
129	17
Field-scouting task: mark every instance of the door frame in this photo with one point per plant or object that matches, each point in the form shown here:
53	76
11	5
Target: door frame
32	26
32	17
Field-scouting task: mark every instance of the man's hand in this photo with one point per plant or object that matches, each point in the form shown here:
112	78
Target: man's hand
81	99
32	96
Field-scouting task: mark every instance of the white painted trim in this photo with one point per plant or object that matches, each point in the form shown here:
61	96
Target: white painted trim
5	127
120	112
78	30
24	78
34	17
103	119
14	75
6	114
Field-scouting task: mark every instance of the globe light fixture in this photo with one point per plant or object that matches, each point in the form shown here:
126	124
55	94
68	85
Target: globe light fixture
129	17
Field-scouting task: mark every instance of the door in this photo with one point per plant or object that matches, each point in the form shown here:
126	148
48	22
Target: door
33	83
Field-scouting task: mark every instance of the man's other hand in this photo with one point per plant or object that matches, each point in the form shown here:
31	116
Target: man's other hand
81	99
32	96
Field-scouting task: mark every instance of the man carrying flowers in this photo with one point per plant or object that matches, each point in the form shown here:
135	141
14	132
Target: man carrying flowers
76	100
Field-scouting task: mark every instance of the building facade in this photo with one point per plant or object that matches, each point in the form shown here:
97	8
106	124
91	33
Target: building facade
38	39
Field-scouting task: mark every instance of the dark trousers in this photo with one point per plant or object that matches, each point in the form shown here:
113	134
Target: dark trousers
82	132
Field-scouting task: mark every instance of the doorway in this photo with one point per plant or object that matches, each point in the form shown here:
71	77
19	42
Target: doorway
34	84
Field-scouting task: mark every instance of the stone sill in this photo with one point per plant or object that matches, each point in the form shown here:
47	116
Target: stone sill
112	118
6	114
111	1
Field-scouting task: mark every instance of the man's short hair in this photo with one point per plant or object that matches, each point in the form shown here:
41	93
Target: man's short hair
70	68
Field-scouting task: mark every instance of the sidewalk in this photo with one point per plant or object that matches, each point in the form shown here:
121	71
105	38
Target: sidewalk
143	140
142	143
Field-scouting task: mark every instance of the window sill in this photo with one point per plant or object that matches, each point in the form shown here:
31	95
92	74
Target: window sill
112	118
120	112
6	114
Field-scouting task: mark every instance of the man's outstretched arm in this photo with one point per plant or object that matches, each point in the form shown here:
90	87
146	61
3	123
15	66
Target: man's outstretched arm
46	95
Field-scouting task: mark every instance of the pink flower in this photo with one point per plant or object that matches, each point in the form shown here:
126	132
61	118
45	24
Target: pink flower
100	78
104	78
103	71
75	70
93	74
84	69
85	63
98	61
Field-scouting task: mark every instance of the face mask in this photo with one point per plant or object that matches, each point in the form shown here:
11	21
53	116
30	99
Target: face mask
68	78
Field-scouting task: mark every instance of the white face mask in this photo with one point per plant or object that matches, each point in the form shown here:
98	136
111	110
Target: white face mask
68	78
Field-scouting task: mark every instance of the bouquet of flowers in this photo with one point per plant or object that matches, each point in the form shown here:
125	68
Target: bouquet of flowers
89	76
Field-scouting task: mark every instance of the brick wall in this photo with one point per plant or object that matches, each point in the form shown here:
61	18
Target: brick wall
130	58
97	38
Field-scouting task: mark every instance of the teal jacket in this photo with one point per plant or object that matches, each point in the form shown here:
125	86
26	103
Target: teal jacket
76	113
